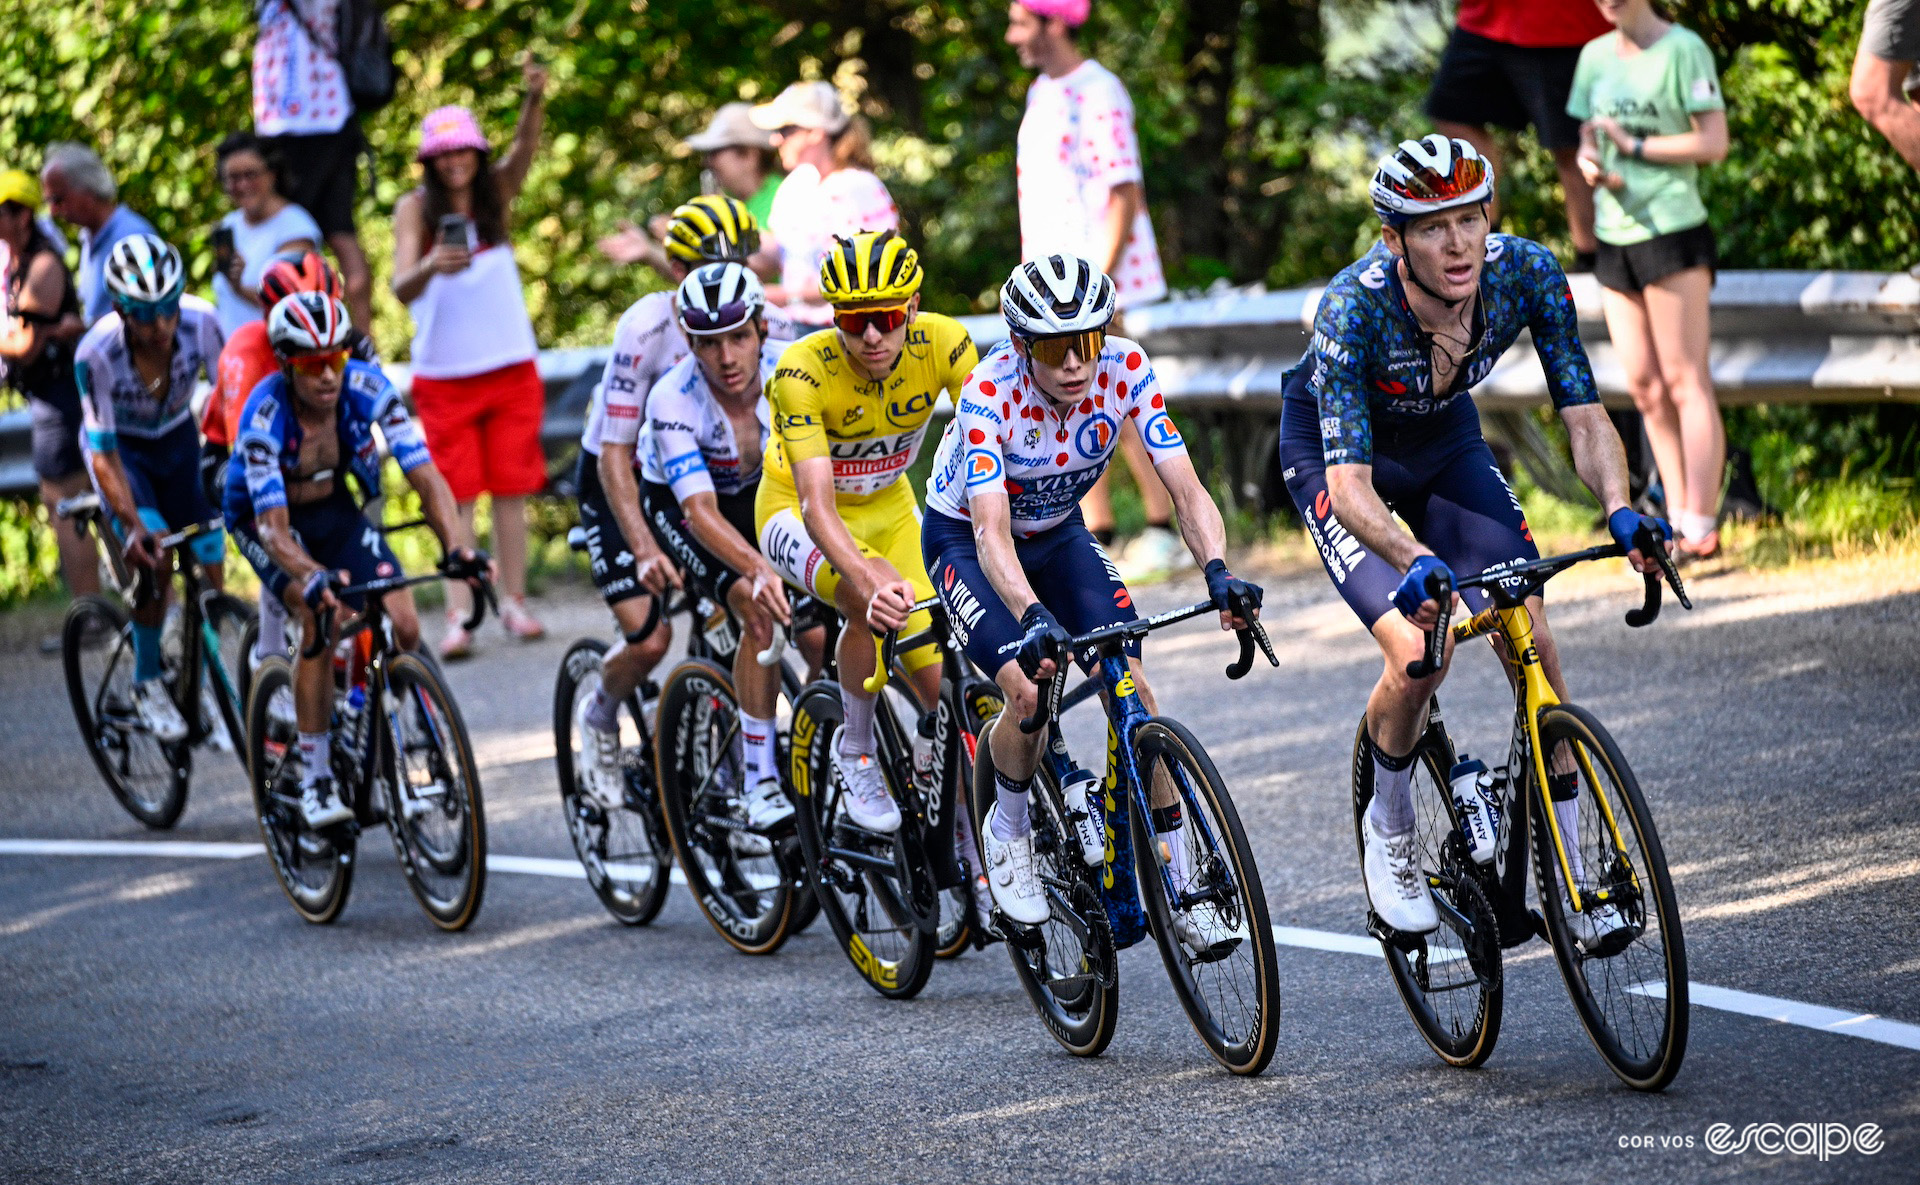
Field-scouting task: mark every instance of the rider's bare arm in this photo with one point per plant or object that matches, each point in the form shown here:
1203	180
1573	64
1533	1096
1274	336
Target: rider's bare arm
717	535
437	505
813	478
275	529
1601	461
1361	511
1200	524
994	540
623	494
114	489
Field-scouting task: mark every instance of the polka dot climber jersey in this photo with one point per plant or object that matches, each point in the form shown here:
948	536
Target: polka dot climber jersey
1007	437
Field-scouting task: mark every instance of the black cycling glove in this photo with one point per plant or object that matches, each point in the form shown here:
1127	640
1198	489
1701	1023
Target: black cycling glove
317	586
471	567
1044	639
1223	588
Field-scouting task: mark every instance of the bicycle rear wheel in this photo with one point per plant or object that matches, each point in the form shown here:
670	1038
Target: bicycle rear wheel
149	778
855	874
735	875
1451	981
1231	991
1067	965
435	815
314	868
1630	989
625	852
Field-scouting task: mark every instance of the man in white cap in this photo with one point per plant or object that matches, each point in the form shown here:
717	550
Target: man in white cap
830	190
738	161
1079	177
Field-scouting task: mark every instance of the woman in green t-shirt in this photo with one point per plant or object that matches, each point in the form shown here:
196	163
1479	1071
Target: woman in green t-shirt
1649	99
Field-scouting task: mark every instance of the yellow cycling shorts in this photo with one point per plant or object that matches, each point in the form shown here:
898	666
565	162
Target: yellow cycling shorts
887	527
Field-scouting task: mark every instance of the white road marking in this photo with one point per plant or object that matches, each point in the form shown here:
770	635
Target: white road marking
1864	1025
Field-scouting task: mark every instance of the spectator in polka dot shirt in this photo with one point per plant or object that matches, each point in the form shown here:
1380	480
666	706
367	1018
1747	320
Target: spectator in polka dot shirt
1078	171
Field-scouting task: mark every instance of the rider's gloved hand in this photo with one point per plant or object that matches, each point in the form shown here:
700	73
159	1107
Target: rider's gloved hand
1223	588
1044	640
1412	592
1625	523
318	589
467	564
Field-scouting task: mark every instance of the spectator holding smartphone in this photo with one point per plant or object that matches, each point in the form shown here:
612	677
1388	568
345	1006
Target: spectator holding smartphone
262	225
1649	96
475	383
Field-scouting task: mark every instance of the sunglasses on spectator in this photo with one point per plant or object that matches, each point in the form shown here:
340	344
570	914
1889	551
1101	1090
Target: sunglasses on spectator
1052	351
236	176
854	322
147	312
329	362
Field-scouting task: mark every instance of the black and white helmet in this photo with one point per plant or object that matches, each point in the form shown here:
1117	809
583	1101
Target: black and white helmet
145	269
1056	295
1428	175
717	297
308	323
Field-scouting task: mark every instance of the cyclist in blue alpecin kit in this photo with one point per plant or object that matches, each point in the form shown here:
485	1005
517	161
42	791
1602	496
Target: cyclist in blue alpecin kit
1378	420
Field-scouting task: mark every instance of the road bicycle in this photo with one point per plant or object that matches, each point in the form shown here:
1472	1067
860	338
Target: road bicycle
896	902
1629	986
1068	964
202	655
399	755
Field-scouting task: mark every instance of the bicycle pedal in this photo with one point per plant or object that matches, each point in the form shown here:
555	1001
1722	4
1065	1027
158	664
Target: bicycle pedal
1027	938
1399	940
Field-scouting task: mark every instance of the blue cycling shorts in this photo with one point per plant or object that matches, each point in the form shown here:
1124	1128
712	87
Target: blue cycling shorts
1437	474
334	533
164	476
1068	569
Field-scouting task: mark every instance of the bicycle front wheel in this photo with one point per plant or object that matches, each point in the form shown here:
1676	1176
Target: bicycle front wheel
147	777
314	868
1621	956
625	852
434	811
235	625
1215	938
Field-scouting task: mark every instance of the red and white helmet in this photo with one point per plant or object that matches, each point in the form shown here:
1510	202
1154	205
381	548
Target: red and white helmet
1428	175
308	323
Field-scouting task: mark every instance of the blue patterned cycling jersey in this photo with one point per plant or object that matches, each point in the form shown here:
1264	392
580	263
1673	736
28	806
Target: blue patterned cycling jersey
1370	360
267	450
116	402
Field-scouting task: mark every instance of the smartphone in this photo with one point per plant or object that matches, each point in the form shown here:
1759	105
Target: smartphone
456	230
223	248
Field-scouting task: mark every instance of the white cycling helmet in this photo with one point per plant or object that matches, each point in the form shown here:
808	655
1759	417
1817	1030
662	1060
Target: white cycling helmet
717	297
308	323
1428	175
145	269
1057	295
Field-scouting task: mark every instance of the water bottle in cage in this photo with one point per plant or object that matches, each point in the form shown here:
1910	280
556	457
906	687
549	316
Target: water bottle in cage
1477	806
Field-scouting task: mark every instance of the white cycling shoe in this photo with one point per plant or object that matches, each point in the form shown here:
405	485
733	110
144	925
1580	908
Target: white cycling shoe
599	773
1016	891
1598	931
765	806
1395	885
868	804
158	713
1203	932
321	807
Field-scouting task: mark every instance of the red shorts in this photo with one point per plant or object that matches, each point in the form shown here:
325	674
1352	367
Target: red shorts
484	430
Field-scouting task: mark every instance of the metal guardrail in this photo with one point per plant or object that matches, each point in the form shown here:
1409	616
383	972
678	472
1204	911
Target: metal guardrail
1778	337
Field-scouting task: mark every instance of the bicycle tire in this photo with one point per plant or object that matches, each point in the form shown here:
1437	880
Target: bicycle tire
637	837
1248	1046
978	703
1627	979
898	966
314	869
236	624
697	700
1083	1018
442	847
147	777
1462	1029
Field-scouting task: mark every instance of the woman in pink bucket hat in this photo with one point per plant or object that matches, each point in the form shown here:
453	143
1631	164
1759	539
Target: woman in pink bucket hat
475	383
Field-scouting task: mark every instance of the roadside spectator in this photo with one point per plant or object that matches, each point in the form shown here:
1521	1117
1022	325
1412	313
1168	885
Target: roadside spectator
830	189
41	326
475	383
302	112
1883	74
739	163
1509	64
263	224
80	190
1081	193
1650	100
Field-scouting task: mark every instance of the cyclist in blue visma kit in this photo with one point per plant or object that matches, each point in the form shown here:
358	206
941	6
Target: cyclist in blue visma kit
1378	420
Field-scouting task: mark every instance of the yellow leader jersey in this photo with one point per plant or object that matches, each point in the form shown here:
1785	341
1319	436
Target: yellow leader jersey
872	429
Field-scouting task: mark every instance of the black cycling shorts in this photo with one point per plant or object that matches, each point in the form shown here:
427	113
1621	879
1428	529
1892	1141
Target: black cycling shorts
702	568
1488	83
610	560
334	533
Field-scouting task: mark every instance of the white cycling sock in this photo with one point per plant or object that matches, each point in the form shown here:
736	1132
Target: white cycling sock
602	711
315	751
1169	829
757	735
273	626
1010	816
1568	815
856	731
1694	527
1392	806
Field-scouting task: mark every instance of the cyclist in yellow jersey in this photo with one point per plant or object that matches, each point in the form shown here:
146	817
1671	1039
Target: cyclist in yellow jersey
836	516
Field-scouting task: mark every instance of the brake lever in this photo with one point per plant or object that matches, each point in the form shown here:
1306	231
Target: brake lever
1049	705
885	643
771	655
1440	589
1254	631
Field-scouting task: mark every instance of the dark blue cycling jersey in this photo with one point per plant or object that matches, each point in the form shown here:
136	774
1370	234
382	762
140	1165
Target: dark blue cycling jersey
1370	360
267	446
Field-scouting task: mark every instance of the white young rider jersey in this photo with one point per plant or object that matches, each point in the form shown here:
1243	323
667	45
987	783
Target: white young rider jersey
115	401
689	443
1009	438
647	343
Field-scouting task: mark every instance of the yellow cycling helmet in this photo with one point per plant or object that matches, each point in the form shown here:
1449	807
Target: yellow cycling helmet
713	228
871	267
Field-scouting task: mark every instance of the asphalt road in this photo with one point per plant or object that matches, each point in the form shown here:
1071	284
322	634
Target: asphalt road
170	1019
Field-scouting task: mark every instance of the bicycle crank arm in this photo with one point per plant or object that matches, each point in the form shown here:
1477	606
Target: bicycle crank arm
866	860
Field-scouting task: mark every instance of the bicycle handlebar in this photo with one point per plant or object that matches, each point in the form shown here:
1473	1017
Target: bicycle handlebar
886	646
1440	590
323	622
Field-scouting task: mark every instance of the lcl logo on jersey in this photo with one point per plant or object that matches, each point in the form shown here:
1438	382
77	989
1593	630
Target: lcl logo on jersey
1094	437
910	410
1160	432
